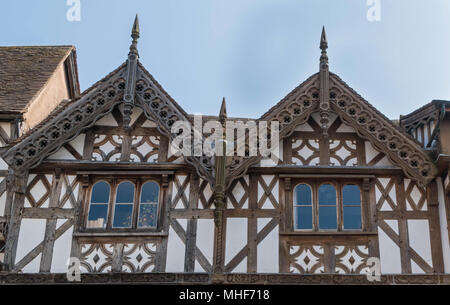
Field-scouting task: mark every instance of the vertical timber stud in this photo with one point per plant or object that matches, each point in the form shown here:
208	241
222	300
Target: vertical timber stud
324	100
286	224
133	57
372	216
219	203
447	200
50	227
80	214
15	219
191	232
252	229
161	248
435	230
10	184
403	226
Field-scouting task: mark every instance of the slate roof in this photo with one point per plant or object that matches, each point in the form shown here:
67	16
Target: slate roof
24	71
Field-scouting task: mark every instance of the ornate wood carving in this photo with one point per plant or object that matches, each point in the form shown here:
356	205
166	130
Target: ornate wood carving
381	132
236	278
69	123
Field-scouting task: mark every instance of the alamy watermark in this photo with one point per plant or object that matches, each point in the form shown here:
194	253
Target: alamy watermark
74	12
374	11
374	269
73	273
244	139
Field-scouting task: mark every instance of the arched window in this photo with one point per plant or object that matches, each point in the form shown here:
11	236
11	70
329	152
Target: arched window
327	207
123	208
351	198
148	205
98	208
303	207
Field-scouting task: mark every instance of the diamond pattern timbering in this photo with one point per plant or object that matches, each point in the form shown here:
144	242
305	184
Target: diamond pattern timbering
61	127
67	123
381	132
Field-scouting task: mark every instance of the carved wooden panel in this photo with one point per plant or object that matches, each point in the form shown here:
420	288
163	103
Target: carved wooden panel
305	151
145	149
96	257
343	153
352	259
311	258
107	148
306	259
139	257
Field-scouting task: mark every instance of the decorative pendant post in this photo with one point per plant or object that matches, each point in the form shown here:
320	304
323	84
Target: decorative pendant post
220	199
324	100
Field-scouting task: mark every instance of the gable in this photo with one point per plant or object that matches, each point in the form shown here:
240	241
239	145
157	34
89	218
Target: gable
101	110
130	95
384	143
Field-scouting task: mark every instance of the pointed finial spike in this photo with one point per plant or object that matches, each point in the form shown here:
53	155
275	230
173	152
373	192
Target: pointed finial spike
323	40
223	111
135	31
135	35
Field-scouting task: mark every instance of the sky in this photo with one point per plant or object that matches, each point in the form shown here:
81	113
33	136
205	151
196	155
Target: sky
253	52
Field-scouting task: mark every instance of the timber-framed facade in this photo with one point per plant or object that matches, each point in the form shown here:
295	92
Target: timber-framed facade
95	180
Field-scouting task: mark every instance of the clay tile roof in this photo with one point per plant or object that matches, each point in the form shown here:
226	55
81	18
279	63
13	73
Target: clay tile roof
24	71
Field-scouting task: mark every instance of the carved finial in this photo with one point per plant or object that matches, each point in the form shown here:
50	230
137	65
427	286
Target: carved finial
323	47
324	84
133	56
223	112
323	40
135	36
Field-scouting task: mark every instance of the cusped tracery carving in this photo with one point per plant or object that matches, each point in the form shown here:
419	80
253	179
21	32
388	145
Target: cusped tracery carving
67	124
382	133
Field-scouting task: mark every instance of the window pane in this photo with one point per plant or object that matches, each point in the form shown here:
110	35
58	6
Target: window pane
351	195
150	192
303	194
125	193
327	218
97	216
122	215
147	215
303	218
327	194
100	192
352	218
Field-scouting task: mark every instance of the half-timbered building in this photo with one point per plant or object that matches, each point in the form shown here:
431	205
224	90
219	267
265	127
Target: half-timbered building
89	182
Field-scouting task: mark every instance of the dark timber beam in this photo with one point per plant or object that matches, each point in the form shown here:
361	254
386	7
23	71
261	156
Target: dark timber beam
15	220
